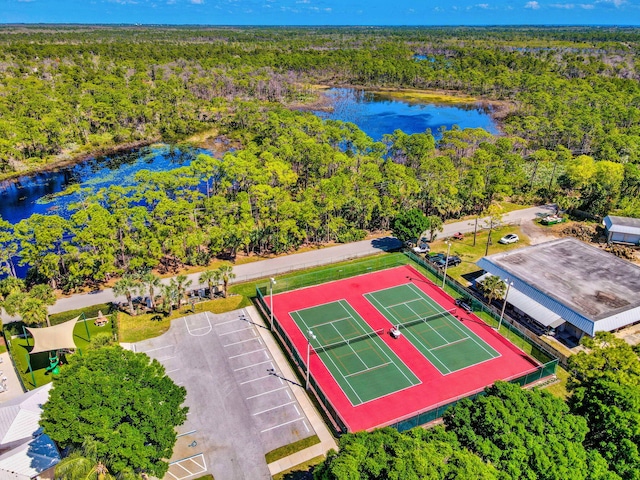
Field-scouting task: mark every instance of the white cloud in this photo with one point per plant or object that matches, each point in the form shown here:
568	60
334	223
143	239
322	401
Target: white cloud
565	6
197	2
25	1
616	3
303	1
532	5
587	6
483	5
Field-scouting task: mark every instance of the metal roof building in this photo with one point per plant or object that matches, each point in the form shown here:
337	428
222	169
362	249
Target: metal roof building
26	452
622	229
588	288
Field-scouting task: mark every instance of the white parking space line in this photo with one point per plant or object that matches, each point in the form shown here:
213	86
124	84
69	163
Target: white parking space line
158	348
197	461
267	393
171	371
249	366
247	353
165	358
242	341
281	425
272	408
304	422
288	395
254	379
230	321
296	407
229	333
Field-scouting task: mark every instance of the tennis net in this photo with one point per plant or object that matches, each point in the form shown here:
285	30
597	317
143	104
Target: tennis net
444	313
348	341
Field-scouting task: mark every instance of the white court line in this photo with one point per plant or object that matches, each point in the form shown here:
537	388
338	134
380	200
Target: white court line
241	341
255	379
191	331
249	366
229	333
200	328
281	425
265	393
247	353
272	408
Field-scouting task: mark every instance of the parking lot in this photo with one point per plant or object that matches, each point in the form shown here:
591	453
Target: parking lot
240	404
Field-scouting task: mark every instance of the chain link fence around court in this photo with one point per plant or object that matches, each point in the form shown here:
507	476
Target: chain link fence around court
546	369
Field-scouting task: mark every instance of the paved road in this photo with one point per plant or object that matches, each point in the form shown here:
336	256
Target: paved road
275	266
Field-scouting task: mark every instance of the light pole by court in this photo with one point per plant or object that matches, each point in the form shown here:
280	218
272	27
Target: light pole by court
446	264
272	282
310	336
504	302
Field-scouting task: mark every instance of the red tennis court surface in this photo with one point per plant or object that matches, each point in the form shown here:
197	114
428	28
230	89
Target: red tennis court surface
435	388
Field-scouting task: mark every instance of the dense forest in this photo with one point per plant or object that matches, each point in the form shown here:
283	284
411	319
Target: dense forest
513	433
568	110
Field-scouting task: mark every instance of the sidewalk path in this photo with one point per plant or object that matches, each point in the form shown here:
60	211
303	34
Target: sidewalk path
275	266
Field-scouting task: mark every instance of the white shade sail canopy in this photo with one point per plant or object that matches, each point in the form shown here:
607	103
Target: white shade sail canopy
53	338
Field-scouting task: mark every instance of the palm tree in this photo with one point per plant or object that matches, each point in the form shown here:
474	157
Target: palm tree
181	283
44	294
493	287
169	294
83	464
149	284
211	278
126	286
33	311
226	274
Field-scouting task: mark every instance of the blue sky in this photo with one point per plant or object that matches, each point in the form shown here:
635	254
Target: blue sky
324	12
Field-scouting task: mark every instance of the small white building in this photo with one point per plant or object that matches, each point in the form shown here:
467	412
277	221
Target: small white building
622	229
26	453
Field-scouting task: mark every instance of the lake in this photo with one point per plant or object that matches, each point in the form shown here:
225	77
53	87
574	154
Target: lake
374	113
377	114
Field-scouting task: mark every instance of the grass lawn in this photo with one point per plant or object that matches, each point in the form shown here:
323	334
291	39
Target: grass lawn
133	329
559	389
40	361
470	254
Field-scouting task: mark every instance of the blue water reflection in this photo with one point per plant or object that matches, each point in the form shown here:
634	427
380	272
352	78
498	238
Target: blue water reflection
377	114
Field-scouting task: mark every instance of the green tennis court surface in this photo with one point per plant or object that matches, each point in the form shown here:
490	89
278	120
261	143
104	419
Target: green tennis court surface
359	360
435	332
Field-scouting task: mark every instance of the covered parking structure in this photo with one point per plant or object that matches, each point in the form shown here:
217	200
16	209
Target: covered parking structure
589	289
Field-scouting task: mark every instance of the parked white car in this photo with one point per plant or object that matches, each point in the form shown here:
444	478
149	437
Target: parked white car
509	238
422	248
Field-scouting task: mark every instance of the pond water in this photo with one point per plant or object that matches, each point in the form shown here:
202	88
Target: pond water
377	114
21	198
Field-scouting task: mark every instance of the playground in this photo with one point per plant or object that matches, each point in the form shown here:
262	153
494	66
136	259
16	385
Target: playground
386	346
36	369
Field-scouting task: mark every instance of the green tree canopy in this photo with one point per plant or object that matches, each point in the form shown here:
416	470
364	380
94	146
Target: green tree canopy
526	434
606	390
123	402
409	224
418	454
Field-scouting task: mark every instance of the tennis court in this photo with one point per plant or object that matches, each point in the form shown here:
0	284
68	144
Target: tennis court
361	362
447	343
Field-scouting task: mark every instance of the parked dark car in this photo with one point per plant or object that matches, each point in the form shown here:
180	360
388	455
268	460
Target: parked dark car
436	257
454	260
464	303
